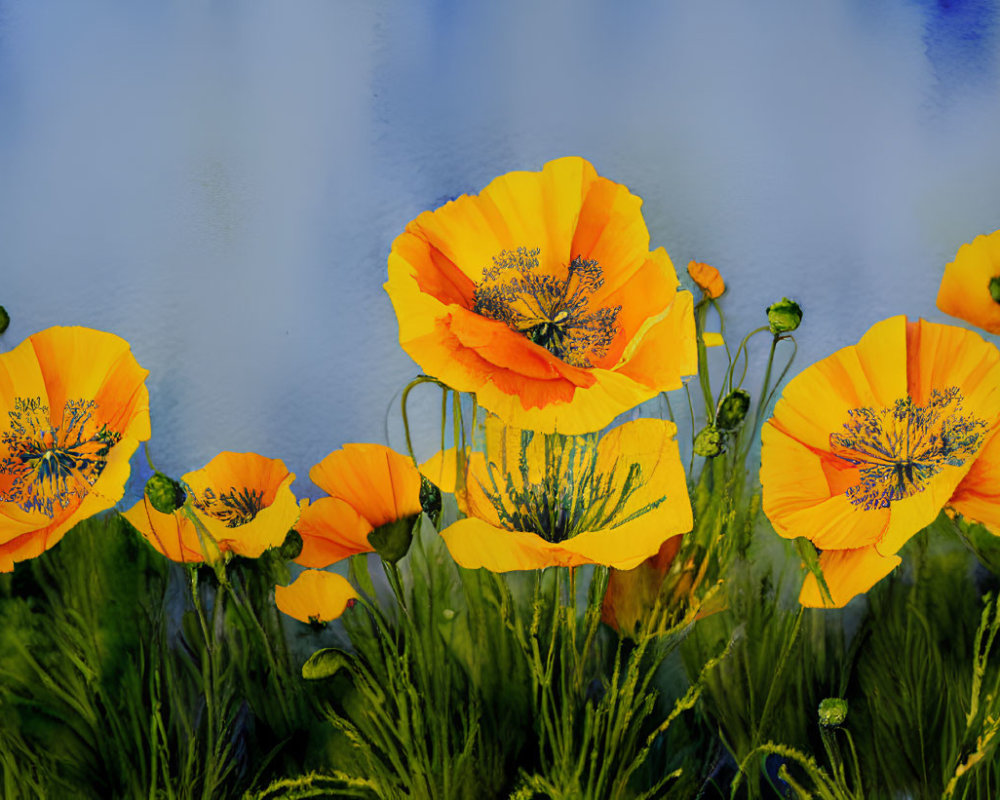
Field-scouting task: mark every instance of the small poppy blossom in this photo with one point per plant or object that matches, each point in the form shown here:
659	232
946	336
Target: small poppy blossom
315	596
369	486
632	594
707	277
535	500
239	503
868	445
73	409
970	286
541	296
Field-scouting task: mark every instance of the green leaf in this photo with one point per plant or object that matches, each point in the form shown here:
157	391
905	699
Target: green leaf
326	663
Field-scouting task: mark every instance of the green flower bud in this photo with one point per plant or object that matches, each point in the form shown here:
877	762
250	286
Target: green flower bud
430	496
292	546
4	319
165	494
994	292
784	317
709	443
732	410
832	712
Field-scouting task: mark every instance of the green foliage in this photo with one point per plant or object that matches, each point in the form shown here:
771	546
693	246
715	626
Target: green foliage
103	694
601	722
432	708
913	678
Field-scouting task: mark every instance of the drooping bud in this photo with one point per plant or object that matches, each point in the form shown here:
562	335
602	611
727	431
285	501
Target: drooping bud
165	494
732	410
832	712
709	442
994	291
430	497
4	319
292	546
784	316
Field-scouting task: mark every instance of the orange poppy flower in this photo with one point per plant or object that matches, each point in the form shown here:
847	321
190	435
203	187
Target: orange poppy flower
370	485
541	296
73	409
537	500
970	286
239	503
315	596
707	277
867	446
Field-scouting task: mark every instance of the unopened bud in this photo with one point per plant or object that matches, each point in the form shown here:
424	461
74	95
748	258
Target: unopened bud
708	442
732	410
784	316
430	496
165	494
292	546
4	319
832	712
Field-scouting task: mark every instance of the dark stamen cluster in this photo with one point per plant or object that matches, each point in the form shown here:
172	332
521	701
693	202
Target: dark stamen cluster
902	447
53	465
236	507
552	312
573	496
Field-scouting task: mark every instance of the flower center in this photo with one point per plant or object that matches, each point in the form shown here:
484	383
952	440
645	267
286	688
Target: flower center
235	507
900	448
995	288
569	497
552	312
53	466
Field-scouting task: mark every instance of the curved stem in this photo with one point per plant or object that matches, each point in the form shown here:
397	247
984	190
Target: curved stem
403	401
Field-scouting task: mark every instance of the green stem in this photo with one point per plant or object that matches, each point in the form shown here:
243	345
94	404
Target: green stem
458	439
403	402
744	347
771	692
703	376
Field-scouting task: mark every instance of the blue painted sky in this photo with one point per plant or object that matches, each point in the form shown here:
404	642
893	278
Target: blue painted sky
220	183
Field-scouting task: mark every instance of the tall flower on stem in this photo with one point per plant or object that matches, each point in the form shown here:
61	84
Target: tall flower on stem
541	296
73	408
867	446
536	500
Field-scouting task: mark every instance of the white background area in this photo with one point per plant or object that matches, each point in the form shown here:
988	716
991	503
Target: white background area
220	182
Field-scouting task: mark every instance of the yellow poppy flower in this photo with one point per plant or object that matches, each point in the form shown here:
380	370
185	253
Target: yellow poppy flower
970	286
370	485
541	296
315	596
536	500
73	409
867	446
707	277
241	503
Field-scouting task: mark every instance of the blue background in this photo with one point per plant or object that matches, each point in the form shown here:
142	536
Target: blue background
220	182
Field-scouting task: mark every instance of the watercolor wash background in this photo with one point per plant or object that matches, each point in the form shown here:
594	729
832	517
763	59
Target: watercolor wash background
220	182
